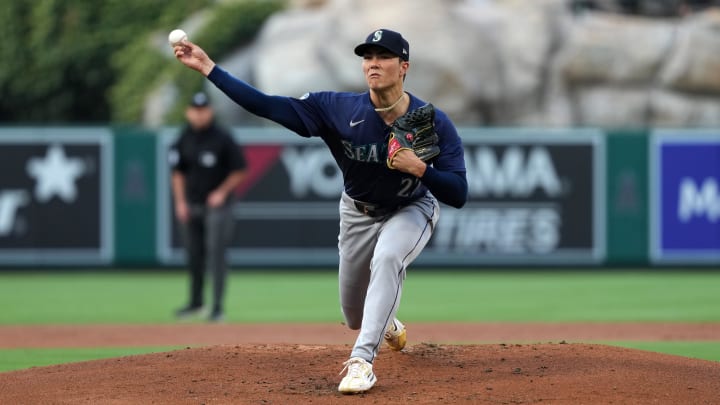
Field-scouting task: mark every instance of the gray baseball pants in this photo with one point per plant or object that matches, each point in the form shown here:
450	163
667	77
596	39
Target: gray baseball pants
374	255
207	235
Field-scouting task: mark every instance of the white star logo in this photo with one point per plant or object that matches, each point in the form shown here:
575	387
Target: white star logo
55	174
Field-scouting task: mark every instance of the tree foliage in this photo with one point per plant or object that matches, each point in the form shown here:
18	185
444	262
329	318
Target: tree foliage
75	61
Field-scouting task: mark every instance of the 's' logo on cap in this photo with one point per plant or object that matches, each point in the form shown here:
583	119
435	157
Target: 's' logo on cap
377	36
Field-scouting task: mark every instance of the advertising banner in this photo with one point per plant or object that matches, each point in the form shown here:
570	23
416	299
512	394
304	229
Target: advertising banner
685	196
536	197
287	210
55	196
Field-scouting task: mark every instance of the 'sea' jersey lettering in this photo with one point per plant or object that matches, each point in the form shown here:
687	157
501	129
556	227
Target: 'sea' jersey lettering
357	138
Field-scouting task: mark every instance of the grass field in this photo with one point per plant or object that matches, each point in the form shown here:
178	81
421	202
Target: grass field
300	296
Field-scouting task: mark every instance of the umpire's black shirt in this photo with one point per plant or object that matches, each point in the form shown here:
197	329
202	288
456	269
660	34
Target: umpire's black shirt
206	158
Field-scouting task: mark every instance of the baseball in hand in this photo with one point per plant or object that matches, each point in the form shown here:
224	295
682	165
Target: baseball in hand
176	37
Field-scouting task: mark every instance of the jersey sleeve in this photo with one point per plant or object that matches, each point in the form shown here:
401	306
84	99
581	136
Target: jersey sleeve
312	108
452	154
446	177
279	109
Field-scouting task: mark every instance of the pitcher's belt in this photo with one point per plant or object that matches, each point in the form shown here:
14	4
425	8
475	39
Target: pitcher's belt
375	210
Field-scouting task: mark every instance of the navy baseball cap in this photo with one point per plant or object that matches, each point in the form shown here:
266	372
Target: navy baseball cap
200	100
390	40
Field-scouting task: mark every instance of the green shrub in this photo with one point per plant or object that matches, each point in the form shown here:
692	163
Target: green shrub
142	67
78	61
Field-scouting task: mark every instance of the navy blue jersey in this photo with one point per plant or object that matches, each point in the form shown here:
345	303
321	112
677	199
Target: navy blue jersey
357	137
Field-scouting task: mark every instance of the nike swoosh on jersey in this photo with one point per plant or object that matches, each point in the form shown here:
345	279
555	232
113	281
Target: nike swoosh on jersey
354	123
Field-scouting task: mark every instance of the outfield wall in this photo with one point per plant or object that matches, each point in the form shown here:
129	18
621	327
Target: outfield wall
100	196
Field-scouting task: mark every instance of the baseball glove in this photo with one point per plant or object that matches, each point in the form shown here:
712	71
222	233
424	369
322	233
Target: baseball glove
415	131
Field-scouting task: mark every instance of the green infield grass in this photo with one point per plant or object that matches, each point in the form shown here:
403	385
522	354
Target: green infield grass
56	297
698	350
16	359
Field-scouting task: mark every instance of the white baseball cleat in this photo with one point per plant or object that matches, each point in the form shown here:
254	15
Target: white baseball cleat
359	378
396	335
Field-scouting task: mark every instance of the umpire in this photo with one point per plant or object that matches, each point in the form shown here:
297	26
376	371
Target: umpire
207	166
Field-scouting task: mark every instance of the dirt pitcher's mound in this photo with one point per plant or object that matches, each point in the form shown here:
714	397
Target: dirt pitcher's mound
422	374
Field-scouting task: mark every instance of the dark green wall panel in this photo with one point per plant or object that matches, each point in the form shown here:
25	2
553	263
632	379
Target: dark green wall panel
135	179
627	198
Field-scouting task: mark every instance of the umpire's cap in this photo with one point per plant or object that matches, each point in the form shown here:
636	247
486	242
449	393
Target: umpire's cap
390	40
200	100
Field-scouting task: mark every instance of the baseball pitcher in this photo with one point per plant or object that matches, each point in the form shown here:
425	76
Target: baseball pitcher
398	154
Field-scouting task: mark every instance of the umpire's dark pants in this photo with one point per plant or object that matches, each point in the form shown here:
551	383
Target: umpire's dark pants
208	233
